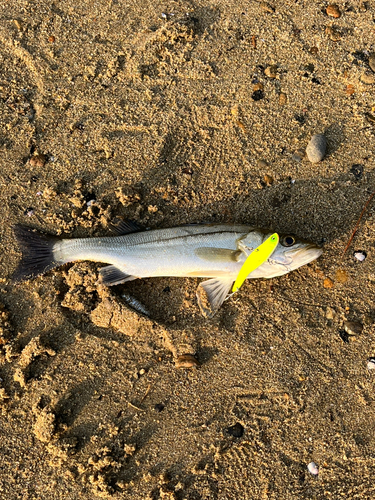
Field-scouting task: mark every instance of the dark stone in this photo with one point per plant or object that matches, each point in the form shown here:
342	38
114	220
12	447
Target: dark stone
159	407
357	171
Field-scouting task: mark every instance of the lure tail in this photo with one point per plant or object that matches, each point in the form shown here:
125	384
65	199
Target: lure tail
37	253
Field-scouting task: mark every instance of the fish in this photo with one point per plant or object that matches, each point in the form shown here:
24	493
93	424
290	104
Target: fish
213	251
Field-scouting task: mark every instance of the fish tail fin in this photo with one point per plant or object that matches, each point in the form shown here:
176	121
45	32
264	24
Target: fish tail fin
37	253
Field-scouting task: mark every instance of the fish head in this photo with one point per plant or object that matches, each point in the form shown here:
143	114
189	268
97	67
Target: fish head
289	254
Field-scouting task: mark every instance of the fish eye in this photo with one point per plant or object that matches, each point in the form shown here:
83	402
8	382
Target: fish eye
288	241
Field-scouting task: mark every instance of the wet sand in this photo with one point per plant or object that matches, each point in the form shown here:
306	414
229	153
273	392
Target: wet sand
170	113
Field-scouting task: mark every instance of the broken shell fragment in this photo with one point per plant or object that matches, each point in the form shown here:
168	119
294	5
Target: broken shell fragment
353	327
186	361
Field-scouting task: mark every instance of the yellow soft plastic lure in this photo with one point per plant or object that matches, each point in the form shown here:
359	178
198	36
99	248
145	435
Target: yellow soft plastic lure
256	259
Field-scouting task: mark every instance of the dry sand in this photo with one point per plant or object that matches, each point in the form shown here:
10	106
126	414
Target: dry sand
165	112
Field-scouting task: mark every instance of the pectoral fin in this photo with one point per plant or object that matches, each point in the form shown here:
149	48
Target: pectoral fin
216	290
112	275
213	254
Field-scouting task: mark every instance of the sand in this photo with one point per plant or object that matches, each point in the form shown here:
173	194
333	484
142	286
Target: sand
167	113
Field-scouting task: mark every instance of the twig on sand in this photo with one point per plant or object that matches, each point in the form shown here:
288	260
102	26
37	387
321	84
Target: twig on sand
146	393
135	407
358	222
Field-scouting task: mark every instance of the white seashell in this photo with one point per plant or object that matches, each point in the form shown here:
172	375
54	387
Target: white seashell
313	468
360	256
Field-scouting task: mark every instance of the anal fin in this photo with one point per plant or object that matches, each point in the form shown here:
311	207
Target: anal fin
112	275
216	290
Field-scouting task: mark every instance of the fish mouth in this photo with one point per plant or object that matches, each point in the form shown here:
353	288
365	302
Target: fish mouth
304	255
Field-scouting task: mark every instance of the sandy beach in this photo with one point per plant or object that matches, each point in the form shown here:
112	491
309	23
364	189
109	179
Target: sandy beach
167	113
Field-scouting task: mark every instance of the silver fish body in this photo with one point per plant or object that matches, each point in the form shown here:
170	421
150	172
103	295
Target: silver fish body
215	251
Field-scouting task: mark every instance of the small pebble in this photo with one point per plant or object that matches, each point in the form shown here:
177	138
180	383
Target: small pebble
237	430
371	364
51	39
328	283
330	313
371	61
271	71
316	148
333	11
268	179
37	161
282	99
361	256
186	361
368	78
313	469
353	327
350	89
